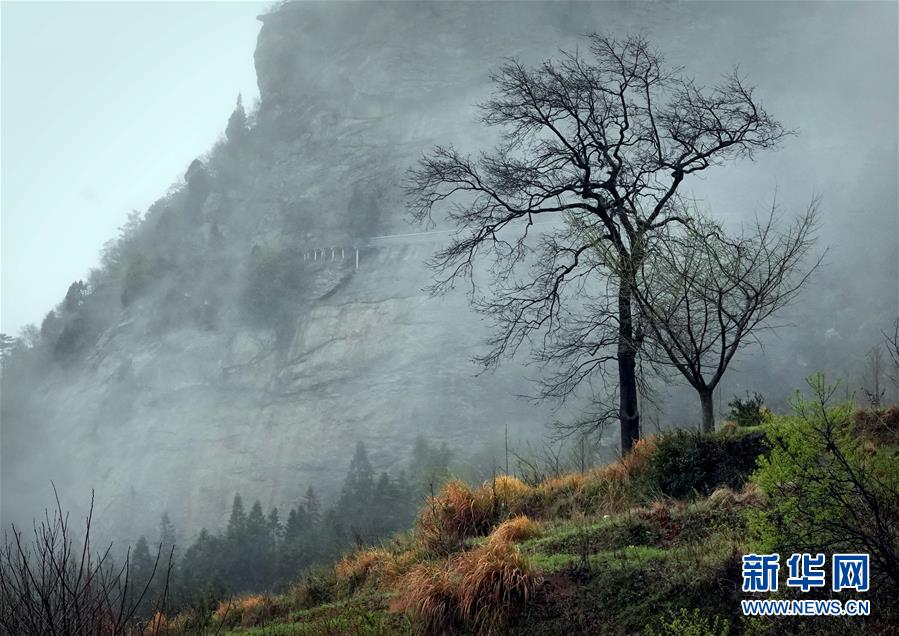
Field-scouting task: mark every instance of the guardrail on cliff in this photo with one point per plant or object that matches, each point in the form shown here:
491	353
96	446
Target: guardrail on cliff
341	253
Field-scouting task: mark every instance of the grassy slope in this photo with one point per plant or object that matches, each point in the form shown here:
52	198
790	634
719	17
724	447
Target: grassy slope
607	555
638	565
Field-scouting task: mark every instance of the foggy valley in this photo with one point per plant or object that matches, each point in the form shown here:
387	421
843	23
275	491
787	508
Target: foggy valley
276	324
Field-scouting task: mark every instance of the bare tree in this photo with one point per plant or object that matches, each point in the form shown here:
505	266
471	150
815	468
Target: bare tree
54	584
608	138
703	296
872	377
891	341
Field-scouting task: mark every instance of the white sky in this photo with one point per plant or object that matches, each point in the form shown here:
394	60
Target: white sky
102	106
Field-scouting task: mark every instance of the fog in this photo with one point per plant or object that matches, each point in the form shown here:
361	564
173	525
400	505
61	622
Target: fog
230	341
103	105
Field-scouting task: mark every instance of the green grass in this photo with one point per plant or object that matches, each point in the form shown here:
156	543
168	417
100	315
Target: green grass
366	616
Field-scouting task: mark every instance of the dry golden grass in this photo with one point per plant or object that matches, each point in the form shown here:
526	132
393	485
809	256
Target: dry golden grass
613	488
158	624
362	563
878	425
456	513
722	497
476	589
429	592
398	566
520	528
750	496
608	489
459	512
726	498
375	564
566	484
162	625
245	611
637	461
494	579
512	493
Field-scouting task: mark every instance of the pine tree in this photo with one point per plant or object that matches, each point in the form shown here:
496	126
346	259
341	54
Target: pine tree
290	549
141	575
354	506
166	534
383	508
312	507
74	296
167	554
237	523
203	566
256	551
237	128
235	544
275	529
429	466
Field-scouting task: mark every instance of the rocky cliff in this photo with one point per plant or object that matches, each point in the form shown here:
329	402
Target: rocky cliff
247	330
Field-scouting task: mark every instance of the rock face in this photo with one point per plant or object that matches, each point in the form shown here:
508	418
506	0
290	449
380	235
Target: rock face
234	342
230	342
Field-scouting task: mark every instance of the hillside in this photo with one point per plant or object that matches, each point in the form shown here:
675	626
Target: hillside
629	548
231	341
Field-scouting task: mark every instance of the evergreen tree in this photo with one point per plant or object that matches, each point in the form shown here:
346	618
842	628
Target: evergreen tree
256	550
237	523
354	506
384	518
312	507
275	529
202	567
237	128
167	556
166	534
291	553
74	295
235	544
409	500
141	575
429	467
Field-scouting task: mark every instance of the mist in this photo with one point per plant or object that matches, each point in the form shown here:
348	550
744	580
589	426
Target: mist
261	311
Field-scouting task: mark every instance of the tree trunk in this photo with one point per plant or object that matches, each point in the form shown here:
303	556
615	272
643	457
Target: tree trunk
708	410
628	412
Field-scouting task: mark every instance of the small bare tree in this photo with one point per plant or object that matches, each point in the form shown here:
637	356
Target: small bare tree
703	295
608	137
891	342
53	584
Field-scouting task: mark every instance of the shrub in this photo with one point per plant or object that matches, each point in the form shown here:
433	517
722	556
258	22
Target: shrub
686	463
141	273
316	588
826	489
880	425
274	287
689	623
748	412
57	582
516	529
